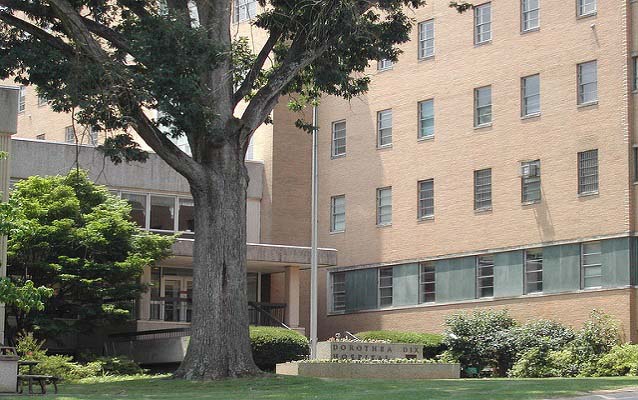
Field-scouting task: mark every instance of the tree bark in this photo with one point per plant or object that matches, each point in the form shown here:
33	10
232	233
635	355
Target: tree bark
220	341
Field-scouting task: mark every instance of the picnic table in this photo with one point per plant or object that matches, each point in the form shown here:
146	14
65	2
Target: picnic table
31	378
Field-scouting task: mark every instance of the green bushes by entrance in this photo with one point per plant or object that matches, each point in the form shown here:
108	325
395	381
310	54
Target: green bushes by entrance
272	346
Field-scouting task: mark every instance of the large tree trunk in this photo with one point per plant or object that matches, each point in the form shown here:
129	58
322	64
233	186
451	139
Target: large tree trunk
220	342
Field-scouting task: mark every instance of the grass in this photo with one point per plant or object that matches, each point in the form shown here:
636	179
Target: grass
288	388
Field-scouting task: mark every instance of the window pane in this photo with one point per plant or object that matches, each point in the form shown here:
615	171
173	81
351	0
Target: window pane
426	39
138	208
338	214
530	14
586	7
587	82
384	128
531	181
483	23
384	206
162	213
483	189
426	198
427	282
186	215
531	89
426	118
588	171
483	105
338	291
339	138
534	270
485	276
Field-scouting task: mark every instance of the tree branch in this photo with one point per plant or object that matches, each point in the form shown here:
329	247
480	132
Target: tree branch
38	33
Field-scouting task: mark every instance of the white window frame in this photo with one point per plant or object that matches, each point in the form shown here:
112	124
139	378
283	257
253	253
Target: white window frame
480	278
425	204
384	276
334	213
426	39
427	276
423	119
479	107
382	131
526	14
244	10
528	183
588	171
585	86
384	64
483	189
339	138
338	291
482	27
528	95
382	209
585	252
22	99
582	6
69	134
529	264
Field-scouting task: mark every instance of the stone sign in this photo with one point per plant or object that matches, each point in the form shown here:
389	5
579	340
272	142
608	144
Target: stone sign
368	351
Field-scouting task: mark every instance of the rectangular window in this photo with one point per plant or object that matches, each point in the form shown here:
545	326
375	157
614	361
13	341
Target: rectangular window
586	7
531	181
384	128
338	213
587	82
384	64
426	119
427	281
244	10
338	138
385	287
634	78
69	134
426	199
482	106
338	291
94	133
591	264
40	136
426	39
635	163
384	206
162	213
485	276
42	101
530	15
534	271
22	100
588	172
483	23
531	95
138	208
483	189
186	217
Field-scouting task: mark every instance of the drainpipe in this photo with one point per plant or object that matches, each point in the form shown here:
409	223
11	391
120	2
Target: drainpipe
313	245
8	126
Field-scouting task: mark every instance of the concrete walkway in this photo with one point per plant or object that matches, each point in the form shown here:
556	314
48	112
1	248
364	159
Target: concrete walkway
627	393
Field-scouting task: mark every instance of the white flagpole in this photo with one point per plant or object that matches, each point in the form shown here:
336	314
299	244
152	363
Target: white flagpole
313	247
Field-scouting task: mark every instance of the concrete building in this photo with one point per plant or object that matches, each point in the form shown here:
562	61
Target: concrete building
492	166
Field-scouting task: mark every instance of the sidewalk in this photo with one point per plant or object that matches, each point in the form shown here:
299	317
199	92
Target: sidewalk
627	393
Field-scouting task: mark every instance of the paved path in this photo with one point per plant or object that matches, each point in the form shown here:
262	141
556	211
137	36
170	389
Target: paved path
627	393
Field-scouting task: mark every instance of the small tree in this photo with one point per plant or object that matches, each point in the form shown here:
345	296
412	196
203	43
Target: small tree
75	237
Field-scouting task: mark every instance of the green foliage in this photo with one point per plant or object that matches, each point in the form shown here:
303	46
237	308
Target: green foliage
597	337
271	346
544	334
119	366
28	347
481	339
621	360
432	343
24	297
74	236
64	367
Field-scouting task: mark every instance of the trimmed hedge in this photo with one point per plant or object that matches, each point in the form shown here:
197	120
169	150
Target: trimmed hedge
432	343
272	346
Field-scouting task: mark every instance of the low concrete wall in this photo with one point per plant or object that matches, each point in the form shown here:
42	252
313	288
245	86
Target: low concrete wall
153	351
368	351
371	370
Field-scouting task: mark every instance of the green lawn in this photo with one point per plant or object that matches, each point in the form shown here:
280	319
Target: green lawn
294	388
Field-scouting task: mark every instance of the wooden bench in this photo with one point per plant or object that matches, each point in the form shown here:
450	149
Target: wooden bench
42	380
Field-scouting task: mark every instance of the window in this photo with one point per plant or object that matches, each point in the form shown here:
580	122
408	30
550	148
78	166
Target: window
384	128
162	213
40	136
591	264
69	134
338	138
534	271
530	15
426	39
42	101
384	64
426	199
384	206
385	287
244	10
138	207
482	106
586	7
483	23
635	163
588	172
338	214
483	189
587	82
338	291
22	100
485	276
426	119
94	132
634	78
427	282
531	95
186	217
531	181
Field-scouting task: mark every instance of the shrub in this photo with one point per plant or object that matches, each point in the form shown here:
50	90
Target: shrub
481	339
540	362
28	347
277	345
65	368
432	343
549	335
620	361
119	366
